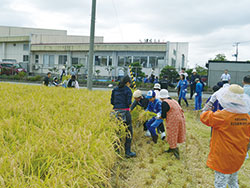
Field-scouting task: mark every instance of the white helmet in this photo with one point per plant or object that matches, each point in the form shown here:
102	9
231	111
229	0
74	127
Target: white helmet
157	86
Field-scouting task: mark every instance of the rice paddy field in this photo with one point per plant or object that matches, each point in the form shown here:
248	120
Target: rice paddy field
57	137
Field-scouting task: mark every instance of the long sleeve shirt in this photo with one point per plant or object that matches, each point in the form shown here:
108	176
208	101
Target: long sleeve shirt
154	106
199	88
143	102
164	109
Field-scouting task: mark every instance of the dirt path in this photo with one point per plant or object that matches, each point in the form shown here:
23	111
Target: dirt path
155	168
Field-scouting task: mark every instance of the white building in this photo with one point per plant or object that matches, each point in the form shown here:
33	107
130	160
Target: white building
42	49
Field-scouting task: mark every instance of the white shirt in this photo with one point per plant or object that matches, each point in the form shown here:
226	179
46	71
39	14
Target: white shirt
225	77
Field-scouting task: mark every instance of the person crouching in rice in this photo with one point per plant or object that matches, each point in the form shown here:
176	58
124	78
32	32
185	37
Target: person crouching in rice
175	122
231	133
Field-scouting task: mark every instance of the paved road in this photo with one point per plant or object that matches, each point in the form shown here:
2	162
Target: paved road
172	94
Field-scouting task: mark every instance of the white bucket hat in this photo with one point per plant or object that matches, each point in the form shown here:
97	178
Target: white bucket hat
194	71
233	99
157	86
137	94
164	94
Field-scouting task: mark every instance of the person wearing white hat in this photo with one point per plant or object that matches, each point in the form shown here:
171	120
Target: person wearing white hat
157	88
231	134
175	122
193	83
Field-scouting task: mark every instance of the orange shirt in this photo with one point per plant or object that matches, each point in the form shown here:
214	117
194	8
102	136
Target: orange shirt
228	147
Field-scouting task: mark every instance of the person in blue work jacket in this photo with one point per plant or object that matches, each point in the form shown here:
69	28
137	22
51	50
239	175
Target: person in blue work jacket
198	94
182	85
154	105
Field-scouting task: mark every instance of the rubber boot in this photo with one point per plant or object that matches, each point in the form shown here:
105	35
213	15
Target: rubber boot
186	102
155	138
128	152
179	101
163	135
176	153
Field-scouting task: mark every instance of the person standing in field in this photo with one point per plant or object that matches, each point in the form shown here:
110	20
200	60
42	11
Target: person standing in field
246	83
198	94
46	79
121	100
182	85
175	122
225	77
193	83
231	134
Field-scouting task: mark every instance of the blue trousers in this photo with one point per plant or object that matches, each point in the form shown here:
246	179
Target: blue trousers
152	124
198	101
182	94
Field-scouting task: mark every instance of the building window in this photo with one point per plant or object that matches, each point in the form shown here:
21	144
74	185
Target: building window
25	47
173	62
97	60
144	62
152	62
120	61
183	61
62	60
25	58
75	60
36	58
51	60
136	59
110	61
128	61
104	61
48	60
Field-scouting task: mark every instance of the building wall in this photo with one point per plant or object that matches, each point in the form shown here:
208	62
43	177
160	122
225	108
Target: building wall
237	71
23	31
62	39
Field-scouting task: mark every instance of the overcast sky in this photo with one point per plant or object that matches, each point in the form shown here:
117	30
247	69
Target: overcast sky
210	27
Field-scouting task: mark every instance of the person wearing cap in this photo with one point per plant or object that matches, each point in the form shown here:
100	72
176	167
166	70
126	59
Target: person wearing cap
55	82
231	134
182	85
225	77
193	83
198	94
175	122
154	105
121	100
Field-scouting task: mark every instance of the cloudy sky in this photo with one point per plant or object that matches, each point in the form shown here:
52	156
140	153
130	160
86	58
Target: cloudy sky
211	27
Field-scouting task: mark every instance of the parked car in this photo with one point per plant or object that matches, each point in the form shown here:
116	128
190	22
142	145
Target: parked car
10	68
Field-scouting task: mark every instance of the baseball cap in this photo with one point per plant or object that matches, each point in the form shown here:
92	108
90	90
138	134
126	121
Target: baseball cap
150	94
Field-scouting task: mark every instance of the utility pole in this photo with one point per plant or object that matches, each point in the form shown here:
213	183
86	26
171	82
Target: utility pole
91	46
237	52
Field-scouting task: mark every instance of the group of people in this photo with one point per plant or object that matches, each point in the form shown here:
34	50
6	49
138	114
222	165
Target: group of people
161	104
227	112
66	80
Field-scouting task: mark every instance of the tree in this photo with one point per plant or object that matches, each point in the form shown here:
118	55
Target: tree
137	70
97	72
170	72
220	57
201	70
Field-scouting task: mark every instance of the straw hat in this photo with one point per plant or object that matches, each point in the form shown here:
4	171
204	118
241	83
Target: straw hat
137	94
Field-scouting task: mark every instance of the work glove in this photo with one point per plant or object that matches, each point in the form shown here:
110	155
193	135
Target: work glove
208	106
195	94
158	115
175	88
185	90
